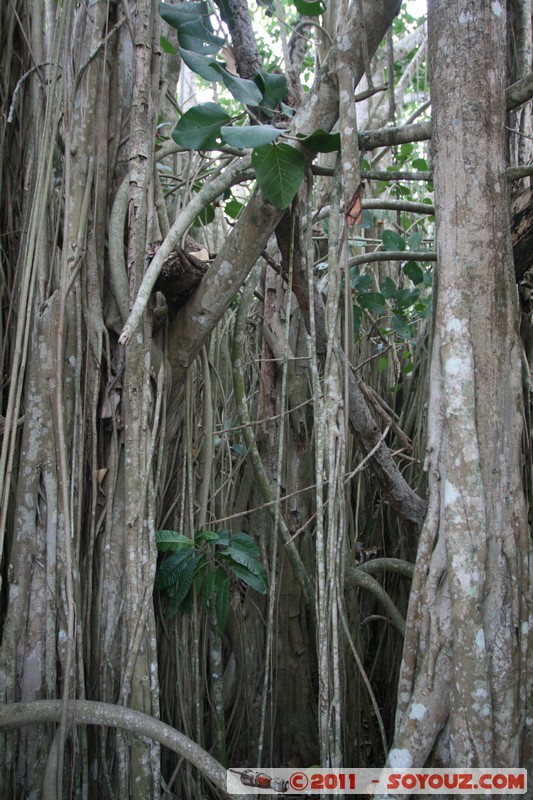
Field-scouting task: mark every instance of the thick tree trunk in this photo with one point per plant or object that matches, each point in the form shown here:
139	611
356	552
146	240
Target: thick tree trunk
465	671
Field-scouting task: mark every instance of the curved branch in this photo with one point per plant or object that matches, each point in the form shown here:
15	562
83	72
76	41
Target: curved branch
519	92
90	712
233	174
357	578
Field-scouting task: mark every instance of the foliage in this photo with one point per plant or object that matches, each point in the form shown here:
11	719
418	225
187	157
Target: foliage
279	169
206	566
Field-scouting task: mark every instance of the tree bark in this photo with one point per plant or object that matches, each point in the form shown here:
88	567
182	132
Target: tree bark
465	655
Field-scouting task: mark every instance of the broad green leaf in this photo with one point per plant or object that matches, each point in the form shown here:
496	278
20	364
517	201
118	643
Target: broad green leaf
166	46
204	66
241	88
222	602
257	582
177	15
373	301
415	240
199	127
193	35
175	565
184	585
224	536
310	8
360	281
233	208
383	364
420	164
321	142
249	135
406	149
273	88
368	220
206	536
405	191
393	240
406	297
357	313
205	217
171	540
243	541
279	170
400	325
287	110
414	272
388	288
240	557
226	12
209	586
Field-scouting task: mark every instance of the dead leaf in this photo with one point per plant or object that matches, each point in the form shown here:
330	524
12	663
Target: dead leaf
201	254
354	211
229	58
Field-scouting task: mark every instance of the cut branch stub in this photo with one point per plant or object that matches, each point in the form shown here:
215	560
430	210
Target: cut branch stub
181	273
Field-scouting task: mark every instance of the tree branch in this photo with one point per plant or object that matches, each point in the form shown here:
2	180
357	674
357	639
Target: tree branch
89	712
519	92
198	317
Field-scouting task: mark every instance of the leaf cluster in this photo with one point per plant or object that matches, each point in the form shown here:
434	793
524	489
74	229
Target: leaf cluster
279	166
206	565
406	305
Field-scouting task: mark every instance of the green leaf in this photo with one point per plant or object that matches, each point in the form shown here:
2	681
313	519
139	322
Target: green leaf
279	170
222	601
177	15
373	301
172	568
246	543
224	537
250	562
287	110
206	536
360	281
257	582
184	585
388	288
368	219
400	325
309	8
383	364
193	35
406	149
166	46
233	208
414	272
420	164
172	540
204	66
406	297
393	240
321	142
205	217
249	135
199	127
241	88
415	240
272	86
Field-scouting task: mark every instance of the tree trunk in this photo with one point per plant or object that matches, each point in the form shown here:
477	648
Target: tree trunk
465	673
